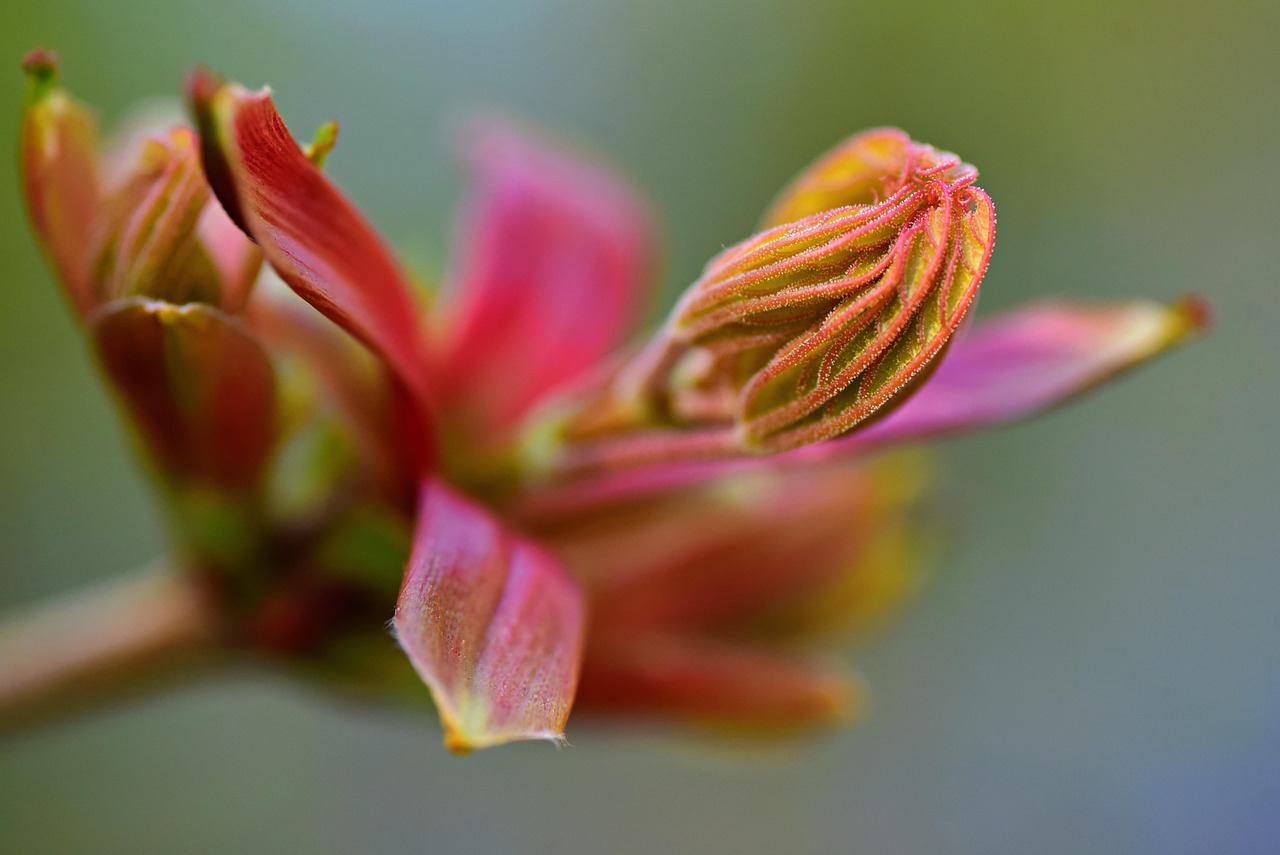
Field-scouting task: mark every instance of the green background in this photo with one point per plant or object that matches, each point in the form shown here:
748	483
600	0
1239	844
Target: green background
1096	667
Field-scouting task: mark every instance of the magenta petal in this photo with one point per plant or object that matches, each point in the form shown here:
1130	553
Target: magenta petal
1006	368
1028	360
491	623
554	256
313	237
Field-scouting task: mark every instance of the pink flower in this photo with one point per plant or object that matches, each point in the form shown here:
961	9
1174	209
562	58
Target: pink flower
675	528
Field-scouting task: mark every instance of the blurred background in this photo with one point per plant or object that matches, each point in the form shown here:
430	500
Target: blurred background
1096	667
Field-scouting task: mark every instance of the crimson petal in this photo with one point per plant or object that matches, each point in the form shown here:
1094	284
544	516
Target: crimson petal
491	623
311	235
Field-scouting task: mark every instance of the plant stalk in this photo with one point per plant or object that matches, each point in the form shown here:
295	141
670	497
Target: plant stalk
102	644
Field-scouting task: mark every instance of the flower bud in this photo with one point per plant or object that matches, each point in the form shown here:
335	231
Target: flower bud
809	328
138	222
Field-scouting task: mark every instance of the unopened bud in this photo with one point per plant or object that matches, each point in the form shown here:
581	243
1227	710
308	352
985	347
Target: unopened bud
807	329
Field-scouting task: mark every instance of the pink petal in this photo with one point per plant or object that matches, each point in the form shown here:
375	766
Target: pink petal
308	231
554	256
727	687
1007	368
1018	364
491	623
199	388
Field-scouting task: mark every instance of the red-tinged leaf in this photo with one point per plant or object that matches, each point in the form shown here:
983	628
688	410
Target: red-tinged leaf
310	234
729	688
554	256
491	623
199	388
58	152
1028	360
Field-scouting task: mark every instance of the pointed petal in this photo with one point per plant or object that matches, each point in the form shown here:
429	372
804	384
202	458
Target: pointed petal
491	623
58	152
1018	364
1006	368
734	689
199	388
308	231
554	257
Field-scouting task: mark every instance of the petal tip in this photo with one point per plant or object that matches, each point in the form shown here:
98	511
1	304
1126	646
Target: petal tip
461	743
1195	314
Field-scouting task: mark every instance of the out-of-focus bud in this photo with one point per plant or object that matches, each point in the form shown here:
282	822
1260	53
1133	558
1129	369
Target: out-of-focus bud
809	328
157	273
140	222
57	145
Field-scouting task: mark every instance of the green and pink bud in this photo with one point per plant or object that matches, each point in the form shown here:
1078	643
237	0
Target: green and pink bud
673	530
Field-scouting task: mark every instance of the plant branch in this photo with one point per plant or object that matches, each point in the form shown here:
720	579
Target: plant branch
102	644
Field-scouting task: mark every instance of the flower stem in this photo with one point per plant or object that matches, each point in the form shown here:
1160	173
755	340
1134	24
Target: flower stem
102	644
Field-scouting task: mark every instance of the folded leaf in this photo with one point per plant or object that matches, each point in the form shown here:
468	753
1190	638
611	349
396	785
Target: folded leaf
491	623
806	330
199	388
308	231
553	259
